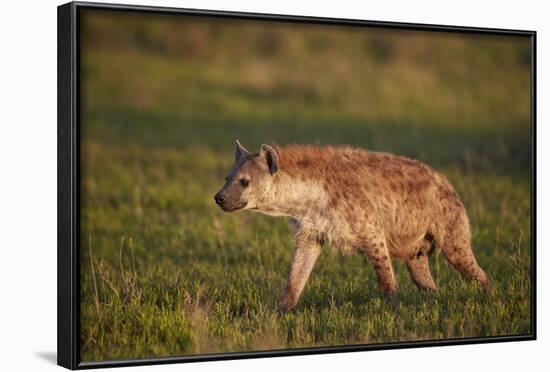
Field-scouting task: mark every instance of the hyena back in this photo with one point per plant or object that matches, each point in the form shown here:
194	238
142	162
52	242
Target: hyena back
381	205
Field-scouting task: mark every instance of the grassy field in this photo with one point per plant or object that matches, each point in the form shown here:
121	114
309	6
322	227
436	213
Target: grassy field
164	272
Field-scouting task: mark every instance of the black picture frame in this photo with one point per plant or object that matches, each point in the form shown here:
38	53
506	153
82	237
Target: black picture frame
68	331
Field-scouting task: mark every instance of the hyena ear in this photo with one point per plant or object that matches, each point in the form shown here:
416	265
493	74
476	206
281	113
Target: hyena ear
240	151
271	158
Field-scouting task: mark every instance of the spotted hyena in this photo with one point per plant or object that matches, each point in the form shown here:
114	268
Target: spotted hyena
381	205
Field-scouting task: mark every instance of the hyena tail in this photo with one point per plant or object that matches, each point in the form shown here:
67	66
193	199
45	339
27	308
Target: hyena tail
452	235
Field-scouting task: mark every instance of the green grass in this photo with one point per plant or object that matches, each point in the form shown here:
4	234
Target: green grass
164	272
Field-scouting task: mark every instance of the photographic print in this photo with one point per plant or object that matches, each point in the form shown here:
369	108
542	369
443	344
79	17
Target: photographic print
252	184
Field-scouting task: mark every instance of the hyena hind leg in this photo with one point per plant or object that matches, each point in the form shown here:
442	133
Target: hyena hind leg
457	247
419	268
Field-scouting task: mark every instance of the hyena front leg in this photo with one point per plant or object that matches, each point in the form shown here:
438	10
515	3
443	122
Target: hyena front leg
376	250
305	255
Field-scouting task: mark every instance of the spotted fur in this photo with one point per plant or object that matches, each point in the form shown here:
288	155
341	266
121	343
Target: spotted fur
381	205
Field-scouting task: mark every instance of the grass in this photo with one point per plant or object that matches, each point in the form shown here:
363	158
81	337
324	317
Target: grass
164	272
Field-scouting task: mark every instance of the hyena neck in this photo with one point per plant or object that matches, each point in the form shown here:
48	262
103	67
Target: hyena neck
294	197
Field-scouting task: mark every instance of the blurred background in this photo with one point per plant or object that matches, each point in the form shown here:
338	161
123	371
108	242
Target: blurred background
153	80
163	97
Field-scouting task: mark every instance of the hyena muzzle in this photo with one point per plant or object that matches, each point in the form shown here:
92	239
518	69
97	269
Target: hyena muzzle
378	204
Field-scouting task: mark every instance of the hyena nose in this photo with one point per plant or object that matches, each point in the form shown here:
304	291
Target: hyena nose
219	198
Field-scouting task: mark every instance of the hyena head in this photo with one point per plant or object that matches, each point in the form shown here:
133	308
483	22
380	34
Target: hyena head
248	184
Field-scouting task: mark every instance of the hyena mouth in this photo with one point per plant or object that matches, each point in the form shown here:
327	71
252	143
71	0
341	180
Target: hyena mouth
233	208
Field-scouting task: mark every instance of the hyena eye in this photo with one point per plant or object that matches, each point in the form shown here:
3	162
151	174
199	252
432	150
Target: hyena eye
226	179
244	182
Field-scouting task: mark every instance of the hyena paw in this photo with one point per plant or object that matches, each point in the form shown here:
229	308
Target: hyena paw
390	291
286	304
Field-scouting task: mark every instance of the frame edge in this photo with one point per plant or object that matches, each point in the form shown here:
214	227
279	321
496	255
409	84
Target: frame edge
303	19
66	124
534	184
